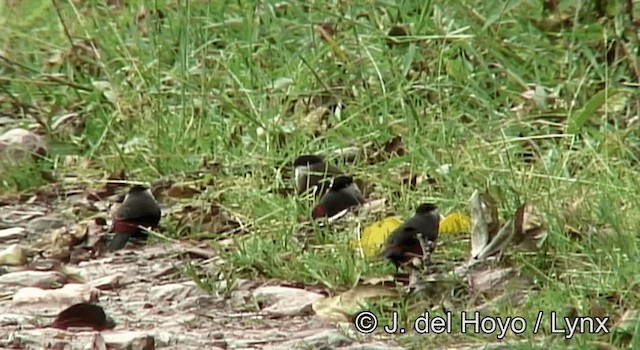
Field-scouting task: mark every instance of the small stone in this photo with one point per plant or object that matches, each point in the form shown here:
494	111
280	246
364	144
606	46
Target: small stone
39	279
286	301
12	233
44	224
129	340
173	291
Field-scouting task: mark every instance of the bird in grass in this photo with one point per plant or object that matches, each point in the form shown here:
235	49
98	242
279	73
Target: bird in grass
403	244
343	193
311	171
139	208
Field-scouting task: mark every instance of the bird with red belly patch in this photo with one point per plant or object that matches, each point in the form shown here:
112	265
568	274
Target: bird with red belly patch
139	208
343	193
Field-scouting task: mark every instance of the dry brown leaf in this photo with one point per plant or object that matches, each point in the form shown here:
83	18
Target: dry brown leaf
524	229
410	179
316	120
530	234
82	55
341	307
391	148
148	20
182	191
211	219
326	31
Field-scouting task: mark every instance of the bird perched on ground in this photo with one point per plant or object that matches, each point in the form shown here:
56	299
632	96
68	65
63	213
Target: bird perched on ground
403	243
139	208
83	315
311	171
343	193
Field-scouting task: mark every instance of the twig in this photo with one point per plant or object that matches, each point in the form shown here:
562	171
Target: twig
427	247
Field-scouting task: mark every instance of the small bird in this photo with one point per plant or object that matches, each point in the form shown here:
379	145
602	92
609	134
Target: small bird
139	208
403	244
310	171
343	193
83	315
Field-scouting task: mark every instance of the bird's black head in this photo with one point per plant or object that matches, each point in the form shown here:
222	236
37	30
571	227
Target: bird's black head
137	188
341	182
307	159
426	208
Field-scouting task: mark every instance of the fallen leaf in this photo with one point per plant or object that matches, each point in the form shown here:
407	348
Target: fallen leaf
374	236
341	307
83	315
108	91
455	223
484	220
392	148
524	229
211	218
182	191
531	233
326	31
499	242
316	120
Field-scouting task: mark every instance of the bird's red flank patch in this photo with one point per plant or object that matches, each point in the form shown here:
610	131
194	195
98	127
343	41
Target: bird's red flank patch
319	211
119	226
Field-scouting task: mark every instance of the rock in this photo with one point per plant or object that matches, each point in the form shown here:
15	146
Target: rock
16	144
12	319
40	279
57	299
129	340
111	282
327	339
13	233
286	301
372	346
13	255
173	291
44	224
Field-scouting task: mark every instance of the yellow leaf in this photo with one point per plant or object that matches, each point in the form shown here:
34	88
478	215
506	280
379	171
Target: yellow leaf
455	223
375	235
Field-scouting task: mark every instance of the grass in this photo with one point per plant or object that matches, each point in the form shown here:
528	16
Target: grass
171	84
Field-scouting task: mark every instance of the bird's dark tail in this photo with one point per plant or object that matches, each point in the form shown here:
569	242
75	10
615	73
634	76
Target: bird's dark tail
118	241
